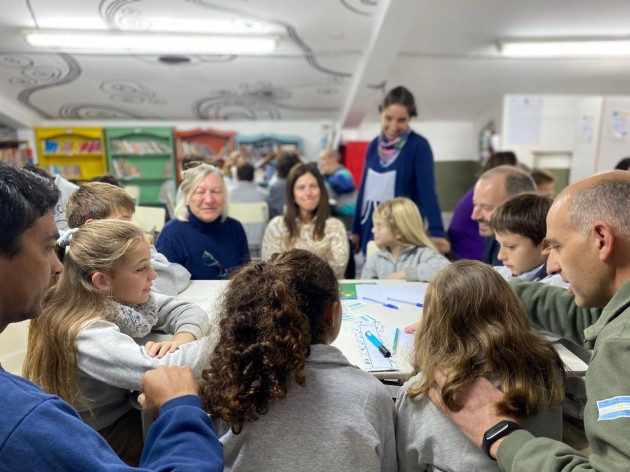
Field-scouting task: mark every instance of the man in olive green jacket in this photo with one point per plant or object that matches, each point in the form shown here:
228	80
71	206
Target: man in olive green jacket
588	231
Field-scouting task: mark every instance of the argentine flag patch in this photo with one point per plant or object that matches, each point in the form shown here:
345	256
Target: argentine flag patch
613	408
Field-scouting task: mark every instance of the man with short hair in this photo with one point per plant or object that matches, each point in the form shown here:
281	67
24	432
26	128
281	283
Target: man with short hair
245	190
492	188
588	233
40	431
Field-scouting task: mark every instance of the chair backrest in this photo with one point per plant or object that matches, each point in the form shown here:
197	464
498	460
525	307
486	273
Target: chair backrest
370	249
250	212
13	341
254	217
133	191
150	219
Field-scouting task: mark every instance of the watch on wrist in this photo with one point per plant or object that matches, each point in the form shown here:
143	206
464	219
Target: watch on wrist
498	431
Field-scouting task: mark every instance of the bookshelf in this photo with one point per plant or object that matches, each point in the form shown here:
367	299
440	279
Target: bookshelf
76	154
143	157
209	145
15	153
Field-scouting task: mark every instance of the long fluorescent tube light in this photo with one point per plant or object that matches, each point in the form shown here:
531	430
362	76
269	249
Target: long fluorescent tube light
116	42
563	47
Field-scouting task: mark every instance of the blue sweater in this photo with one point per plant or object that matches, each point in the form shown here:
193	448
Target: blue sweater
411	175
41	432
208	250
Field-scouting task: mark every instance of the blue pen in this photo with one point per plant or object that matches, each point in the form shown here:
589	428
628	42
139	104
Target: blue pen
374	340
405	301
388	305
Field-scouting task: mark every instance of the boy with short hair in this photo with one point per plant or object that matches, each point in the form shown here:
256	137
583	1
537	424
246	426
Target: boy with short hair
99	201
519	225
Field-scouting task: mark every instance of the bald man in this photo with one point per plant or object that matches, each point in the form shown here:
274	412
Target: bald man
492	188
588	232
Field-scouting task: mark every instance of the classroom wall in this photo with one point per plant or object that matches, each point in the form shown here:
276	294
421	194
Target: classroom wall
614	143
587	125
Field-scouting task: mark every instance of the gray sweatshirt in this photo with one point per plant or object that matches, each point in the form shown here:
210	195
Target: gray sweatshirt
342	420
420	264
111	364
427	440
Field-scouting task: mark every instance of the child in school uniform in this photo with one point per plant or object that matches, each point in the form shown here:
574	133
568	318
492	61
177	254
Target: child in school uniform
520	226
474	326
100	200
83	348
406	252
282	397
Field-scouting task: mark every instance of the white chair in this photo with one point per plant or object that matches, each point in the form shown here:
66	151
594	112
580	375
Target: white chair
150	219
254	217
13	341
133	191
370	249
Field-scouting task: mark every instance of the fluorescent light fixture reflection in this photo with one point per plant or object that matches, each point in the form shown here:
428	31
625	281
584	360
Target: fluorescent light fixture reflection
101	42
566	47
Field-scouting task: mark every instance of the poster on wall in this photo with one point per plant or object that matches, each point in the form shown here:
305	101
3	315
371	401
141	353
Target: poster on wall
525	122
587	123
620	124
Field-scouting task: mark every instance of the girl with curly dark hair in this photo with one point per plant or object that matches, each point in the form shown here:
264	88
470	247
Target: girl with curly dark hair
282	397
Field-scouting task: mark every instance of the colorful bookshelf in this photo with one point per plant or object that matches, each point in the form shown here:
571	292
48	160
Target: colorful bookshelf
76	154
208	145
143	157
15	153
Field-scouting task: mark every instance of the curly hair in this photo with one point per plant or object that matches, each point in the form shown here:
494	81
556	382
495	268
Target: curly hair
271	313
475	326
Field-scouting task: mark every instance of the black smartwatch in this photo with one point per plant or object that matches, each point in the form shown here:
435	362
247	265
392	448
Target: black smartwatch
498	431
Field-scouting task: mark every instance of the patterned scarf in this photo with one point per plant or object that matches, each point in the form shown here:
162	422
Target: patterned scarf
136	320
388	150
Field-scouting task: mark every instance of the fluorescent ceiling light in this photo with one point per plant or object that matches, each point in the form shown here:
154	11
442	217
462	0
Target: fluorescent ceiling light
563	47
117	42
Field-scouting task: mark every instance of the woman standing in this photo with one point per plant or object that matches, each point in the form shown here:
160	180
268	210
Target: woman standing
398	163
306	223
202	237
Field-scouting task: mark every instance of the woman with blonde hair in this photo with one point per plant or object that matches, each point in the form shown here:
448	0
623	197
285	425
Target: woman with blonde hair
201	237
83	347
306	223
283	398
474	326
406	252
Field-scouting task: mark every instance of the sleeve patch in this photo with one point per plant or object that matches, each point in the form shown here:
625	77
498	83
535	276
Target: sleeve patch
613	408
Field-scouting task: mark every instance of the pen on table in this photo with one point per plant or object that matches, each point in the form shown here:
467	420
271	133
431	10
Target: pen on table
395	343
405	301
381	347
388	305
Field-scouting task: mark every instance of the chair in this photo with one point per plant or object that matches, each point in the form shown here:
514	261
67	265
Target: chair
133	191
13	341
150	219
370	249
254	217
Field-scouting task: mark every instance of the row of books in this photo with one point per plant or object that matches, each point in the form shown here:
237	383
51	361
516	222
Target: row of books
17	157
126	170
68	171
139	147
72	147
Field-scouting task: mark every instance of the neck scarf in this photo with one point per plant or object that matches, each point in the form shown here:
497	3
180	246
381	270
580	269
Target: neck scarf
388	150
136	320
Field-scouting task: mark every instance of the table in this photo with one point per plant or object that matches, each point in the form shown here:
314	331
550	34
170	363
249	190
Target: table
207	293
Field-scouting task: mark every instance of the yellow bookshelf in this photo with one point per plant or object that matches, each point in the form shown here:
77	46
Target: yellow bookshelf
76	154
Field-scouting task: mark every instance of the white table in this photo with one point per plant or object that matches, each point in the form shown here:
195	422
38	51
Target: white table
206	293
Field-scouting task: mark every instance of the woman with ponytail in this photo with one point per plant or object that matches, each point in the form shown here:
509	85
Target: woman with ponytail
282	397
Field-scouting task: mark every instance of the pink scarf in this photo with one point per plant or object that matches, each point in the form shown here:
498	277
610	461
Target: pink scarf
389	150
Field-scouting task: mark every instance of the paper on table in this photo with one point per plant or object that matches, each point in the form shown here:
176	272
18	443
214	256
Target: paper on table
372	357
410	292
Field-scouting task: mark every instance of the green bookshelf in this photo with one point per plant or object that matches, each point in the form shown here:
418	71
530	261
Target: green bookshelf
143	157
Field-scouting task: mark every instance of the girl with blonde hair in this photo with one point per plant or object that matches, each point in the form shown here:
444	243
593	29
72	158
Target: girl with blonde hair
406	252
83	348
283	398
474	326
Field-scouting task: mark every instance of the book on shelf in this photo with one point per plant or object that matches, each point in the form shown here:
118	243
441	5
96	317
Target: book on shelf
123	169
70	147
67	171
124	146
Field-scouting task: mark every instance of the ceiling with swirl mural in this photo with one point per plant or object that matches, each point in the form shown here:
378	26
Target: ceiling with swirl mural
334	61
